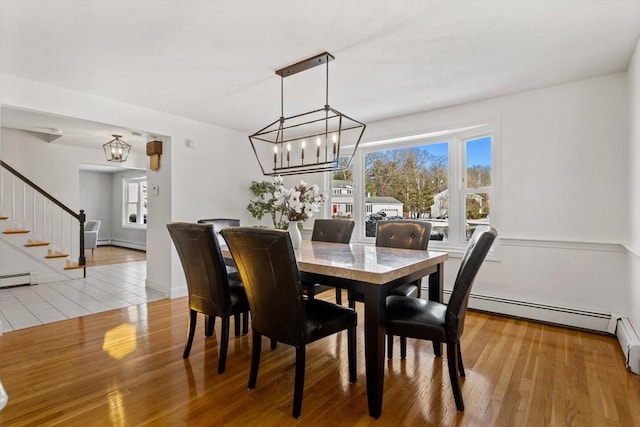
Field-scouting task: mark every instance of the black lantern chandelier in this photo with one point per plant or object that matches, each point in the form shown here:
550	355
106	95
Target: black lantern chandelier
116	150
308	142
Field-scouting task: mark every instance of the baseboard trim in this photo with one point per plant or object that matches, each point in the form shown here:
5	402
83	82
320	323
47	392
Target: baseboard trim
130	245
15	279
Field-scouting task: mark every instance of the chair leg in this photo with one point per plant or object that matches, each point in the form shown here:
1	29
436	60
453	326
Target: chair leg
338	296
209	324
403	347
351	353
437	348
274	344
299	381
193	317
452	362
255	359
352	303
460	364
224	344
236	324
245	323
389	346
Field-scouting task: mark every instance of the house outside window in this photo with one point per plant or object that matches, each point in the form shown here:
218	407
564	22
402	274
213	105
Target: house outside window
135	202
447	181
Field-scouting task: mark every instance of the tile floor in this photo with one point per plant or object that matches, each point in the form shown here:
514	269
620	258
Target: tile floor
105	288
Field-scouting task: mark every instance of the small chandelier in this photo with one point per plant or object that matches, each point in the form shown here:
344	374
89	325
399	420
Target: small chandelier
307	142
116	150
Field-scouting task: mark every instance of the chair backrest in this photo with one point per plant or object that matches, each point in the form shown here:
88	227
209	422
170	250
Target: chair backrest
332	230
203	266
267	265
403	234
92	225
219	224
474	255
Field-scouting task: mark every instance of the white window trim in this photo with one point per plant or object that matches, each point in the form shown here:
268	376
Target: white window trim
457	164
125	200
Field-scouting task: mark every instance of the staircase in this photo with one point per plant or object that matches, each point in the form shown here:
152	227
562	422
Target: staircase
41	239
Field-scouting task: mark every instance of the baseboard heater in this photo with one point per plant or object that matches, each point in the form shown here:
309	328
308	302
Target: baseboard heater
17	279
629	342
612	323
563	316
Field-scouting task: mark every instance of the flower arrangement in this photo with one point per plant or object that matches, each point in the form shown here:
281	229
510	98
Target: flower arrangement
264	204
298	202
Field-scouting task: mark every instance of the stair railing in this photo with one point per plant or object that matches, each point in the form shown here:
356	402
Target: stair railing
80	217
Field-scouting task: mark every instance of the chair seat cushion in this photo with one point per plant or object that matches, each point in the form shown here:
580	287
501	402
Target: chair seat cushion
315	288
405	291
408	290
232	274
325	318
238	295
416	318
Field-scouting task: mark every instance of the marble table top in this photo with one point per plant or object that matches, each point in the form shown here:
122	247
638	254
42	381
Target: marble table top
366	263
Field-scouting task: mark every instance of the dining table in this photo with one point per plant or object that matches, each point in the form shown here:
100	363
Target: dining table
372	271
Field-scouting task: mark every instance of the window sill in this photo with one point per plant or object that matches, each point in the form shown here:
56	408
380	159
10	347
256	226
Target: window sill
135	227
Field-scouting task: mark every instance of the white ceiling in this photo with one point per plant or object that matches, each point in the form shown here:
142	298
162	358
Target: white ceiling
214	61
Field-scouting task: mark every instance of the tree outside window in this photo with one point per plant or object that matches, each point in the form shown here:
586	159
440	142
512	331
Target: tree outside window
447	182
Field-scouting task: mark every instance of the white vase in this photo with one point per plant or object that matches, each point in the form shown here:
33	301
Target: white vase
294	232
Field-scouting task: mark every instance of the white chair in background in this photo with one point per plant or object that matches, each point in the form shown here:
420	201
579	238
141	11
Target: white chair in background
91	229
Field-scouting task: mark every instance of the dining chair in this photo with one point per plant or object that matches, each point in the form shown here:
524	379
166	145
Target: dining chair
401	234
267	264
333	231
210	290
443	323
219	224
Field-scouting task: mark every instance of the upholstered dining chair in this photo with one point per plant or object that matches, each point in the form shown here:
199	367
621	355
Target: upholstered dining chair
443	323
210	290
91	230
334	231
267	265
401	234
219	224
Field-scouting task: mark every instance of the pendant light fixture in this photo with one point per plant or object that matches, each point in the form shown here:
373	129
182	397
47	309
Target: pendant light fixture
307	142
116	150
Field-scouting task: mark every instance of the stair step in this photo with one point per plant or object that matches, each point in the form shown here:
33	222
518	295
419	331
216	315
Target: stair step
16	231
34	243
72	265
56	255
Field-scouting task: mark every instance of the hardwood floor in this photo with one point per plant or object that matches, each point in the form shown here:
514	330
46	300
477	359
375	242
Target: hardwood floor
107	255
125	368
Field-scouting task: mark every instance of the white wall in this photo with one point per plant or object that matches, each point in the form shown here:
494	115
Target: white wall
209	180
634	188
96	198
40	161
563	147
562	193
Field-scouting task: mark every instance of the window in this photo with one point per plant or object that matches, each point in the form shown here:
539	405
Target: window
445	180
135	202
